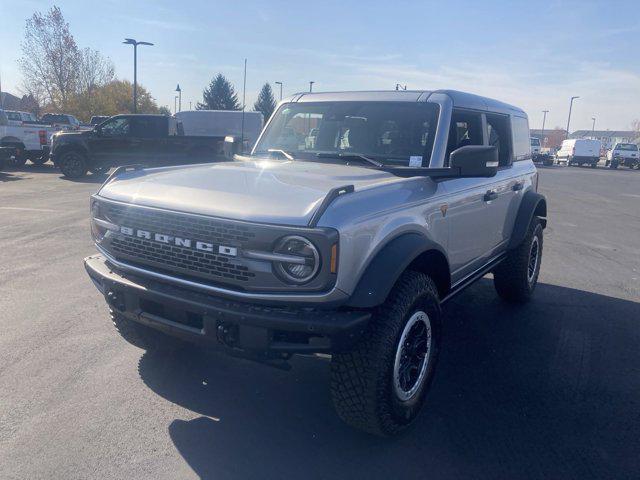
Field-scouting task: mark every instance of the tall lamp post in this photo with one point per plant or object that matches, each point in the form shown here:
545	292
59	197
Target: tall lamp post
544	120
135	43
175	104
593	126
569	118
280	83
179	97
311	86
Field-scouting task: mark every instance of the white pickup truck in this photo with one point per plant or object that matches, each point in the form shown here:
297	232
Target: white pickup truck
27	141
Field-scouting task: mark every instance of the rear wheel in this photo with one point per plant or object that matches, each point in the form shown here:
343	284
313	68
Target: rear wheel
516	277
380	386
73	164
19	160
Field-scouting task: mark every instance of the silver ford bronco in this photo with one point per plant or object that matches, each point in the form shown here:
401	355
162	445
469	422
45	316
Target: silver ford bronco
355	218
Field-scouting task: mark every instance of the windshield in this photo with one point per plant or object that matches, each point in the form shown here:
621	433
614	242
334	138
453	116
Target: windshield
627	146
535	142
393	133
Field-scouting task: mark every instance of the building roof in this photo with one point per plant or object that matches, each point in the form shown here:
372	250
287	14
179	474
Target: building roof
605	134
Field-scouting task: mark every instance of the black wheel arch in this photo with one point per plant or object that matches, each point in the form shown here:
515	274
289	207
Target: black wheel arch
533	204
407	251
62	149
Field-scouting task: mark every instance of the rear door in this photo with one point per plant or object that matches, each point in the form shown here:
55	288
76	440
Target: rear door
148	135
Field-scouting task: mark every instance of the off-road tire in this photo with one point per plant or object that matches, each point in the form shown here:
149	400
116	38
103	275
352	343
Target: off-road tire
73	164
512	278
19	160
142	336
362	380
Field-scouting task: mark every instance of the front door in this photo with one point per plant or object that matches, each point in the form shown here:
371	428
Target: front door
111	145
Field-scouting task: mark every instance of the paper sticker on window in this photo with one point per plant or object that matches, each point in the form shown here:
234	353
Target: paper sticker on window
415	161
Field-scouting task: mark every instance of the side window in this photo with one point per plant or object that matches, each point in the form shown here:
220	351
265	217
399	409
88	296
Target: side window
147	127
465	129
521	141
499	135
117	127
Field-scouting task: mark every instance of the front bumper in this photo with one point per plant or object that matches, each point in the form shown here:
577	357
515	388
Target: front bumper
215	321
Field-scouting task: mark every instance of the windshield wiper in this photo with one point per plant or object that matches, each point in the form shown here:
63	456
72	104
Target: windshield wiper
348	156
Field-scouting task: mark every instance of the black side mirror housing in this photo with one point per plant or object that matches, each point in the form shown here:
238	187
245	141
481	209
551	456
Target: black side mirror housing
475	160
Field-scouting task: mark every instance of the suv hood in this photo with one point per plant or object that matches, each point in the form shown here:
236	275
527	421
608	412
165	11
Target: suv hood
267	191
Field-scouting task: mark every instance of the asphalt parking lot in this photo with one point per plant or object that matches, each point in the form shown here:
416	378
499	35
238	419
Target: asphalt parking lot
547	390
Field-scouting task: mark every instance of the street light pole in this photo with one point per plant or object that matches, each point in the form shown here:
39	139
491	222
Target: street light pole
179	97
311	86
280	83
135	43
175	104
544	120
593	127
569	118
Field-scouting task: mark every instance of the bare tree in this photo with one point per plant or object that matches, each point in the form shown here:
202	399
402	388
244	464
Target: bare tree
50	58
635	125
94	72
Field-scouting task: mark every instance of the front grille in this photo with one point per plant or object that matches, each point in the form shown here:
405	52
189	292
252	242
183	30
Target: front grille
179	225
177	259
170	257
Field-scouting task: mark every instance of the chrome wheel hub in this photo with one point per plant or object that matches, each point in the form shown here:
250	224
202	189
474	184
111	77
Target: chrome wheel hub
534	255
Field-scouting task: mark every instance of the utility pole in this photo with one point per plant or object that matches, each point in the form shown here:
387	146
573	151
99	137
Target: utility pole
544	120
569	118
135	43
244	92
280	83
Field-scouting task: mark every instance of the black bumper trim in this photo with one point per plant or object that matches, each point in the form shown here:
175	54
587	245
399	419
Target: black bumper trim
342	327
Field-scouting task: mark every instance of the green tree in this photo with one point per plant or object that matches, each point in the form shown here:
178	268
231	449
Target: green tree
164	110
266	103
219	95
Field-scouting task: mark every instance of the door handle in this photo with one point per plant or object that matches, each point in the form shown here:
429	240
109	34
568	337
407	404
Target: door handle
490	195
518	186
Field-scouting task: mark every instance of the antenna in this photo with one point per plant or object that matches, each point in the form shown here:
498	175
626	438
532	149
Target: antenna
244	91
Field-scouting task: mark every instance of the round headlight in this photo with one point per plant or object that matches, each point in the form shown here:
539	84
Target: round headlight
305	260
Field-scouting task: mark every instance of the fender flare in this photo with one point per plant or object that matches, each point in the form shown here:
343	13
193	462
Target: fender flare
532	204
386	267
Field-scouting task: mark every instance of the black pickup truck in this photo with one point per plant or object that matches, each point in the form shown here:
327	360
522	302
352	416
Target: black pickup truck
150	140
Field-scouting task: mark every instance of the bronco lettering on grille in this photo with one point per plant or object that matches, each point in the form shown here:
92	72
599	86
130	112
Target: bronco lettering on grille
179	242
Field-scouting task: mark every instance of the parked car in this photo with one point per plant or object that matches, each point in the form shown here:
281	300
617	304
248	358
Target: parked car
624	154
27	141
152	140
98	119
20	117
347	245
579	151
222	123
539	154
61	120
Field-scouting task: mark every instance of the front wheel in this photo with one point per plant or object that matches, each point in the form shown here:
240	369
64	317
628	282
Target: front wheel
73	164
380	386
516	277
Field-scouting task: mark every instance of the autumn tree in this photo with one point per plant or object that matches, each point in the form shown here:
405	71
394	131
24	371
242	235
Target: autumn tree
115	97
219	95
266	102
56	72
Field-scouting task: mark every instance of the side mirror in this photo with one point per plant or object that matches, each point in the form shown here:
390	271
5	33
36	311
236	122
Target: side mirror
232	146
475	160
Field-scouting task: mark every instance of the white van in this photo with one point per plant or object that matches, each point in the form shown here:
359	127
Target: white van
222	123
579	151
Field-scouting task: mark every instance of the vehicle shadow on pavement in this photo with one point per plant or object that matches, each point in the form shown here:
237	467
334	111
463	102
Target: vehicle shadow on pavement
7	177
546	390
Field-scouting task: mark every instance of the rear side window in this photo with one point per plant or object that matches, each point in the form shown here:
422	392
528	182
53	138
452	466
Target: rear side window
148	127
499	135
521	139
631	147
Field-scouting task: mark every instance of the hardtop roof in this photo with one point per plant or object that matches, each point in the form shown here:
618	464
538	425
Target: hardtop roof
460	99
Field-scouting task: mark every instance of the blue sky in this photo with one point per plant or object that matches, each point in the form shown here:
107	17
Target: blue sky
532	54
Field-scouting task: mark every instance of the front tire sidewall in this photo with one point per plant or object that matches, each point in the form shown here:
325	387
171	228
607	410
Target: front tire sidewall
73	164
